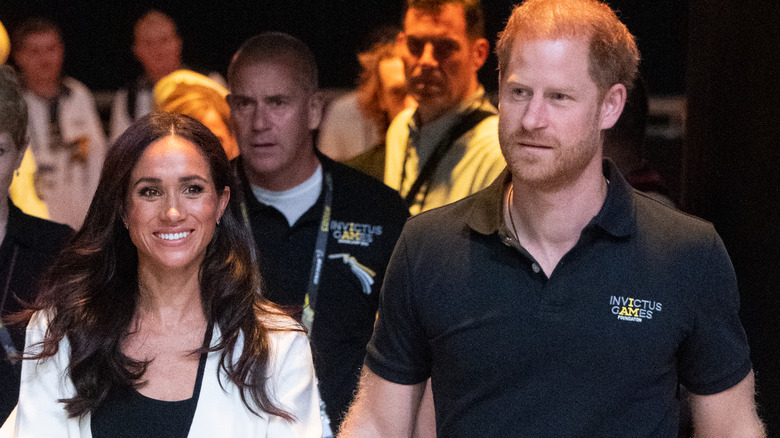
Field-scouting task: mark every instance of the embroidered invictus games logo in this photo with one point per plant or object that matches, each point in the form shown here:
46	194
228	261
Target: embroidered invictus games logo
633	309
352	233
362	272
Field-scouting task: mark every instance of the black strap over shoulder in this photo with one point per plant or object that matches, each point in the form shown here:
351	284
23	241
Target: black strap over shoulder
135	87
6	342
132	96
466	123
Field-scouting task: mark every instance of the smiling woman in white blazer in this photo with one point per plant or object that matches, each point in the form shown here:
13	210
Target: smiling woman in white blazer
152	320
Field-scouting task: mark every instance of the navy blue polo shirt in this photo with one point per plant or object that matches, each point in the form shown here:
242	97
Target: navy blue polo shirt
645	300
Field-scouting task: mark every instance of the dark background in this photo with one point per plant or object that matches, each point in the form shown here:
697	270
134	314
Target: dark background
98	34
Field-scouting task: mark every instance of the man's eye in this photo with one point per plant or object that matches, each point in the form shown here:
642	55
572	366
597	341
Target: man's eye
521	93
444	49
415	46
558	96
239	103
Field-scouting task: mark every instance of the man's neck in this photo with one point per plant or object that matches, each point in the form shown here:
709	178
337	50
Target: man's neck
286	178
428	112
548	223
44	90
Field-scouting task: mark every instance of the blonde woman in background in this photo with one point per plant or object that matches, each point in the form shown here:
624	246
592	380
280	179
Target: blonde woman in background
189	93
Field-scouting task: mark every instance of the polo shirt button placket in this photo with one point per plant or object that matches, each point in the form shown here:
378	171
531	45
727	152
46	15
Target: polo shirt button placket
536	268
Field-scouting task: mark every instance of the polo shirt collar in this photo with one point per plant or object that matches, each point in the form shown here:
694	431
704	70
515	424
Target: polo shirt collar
254	207
616	216
487	213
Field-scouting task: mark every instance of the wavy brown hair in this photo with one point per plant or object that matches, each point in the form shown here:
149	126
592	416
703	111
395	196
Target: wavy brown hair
370	84
91	292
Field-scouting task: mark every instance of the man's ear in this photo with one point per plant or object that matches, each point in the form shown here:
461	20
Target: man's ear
400	41
316	109
612	105
480	49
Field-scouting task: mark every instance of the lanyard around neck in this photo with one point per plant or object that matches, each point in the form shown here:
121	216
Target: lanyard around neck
425	176
310	300
6	341
319	253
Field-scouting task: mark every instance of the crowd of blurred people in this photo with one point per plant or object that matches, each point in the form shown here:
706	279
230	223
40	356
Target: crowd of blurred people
211	259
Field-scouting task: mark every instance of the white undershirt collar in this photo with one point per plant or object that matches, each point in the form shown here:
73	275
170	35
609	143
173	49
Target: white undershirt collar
294	202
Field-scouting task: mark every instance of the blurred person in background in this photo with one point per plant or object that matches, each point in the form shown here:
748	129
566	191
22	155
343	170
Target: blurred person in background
626	145
22	189
354	126
157	46
200	97
27	243
66	136
447	148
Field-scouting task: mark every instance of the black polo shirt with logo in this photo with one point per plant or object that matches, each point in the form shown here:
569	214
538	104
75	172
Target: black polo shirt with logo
645	300
366	220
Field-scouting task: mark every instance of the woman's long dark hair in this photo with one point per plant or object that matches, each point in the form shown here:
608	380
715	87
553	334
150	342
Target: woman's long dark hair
91	291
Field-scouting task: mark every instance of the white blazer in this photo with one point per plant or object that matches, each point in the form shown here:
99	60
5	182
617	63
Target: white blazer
219	412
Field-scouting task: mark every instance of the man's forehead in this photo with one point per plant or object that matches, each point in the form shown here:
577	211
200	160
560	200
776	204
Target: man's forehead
45	38
449	19
154	25
268	75
557	63
556	47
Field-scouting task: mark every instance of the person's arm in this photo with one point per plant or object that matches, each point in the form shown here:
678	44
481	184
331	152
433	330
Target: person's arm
426	415
382	408
730	413
714	359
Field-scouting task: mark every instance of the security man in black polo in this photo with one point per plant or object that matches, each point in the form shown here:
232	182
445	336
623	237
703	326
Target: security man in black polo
324	232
